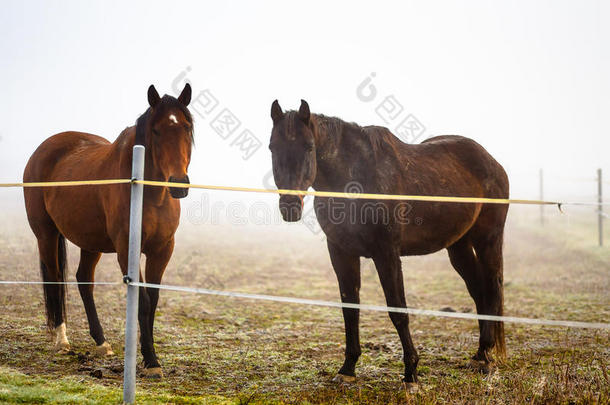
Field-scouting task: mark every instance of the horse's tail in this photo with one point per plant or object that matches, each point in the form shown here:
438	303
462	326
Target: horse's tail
498	327
55	294
500	341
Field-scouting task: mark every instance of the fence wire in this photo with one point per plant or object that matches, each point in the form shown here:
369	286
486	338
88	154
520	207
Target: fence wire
335	304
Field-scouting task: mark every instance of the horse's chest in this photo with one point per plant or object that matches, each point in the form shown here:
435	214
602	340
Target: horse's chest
159	226
357	228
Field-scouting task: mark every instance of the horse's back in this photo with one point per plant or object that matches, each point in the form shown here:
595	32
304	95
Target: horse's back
52	152
444	156
437	161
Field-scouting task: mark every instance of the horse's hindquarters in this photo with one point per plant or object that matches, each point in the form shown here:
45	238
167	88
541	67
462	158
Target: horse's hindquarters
76	212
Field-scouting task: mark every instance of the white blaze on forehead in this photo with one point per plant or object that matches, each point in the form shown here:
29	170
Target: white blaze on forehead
173	119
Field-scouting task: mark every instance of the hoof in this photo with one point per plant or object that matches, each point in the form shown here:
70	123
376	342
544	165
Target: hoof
410	387
483	367
104	350
344	379
62	347
153	372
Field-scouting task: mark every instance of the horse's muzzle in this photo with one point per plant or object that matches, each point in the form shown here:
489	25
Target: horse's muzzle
179	192
291	207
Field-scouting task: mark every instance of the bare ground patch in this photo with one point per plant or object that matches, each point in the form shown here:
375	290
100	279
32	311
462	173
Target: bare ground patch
222	349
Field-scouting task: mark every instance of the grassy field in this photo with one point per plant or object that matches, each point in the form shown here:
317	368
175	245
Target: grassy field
223	350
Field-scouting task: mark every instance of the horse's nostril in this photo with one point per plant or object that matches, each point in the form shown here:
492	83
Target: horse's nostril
291	208
179	192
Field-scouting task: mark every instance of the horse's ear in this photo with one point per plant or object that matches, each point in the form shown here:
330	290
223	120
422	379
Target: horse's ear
185	96
276	112
304	113
153	96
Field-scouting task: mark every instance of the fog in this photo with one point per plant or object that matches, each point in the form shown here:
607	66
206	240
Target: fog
528	80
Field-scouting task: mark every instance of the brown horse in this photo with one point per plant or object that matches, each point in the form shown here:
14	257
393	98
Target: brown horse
96	218
328	154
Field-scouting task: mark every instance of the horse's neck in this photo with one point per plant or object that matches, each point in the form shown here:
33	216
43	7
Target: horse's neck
124	148
155	195
122	151
335	169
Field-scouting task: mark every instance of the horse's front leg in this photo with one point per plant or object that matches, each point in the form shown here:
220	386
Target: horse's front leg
86	273
347	269
155	266
156	263
390	274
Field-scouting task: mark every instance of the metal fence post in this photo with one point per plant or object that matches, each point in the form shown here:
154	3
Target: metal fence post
133	274
600	213
541	197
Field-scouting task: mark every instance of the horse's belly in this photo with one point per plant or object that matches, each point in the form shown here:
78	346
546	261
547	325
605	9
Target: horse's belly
423	241
423	229
92	242
436	226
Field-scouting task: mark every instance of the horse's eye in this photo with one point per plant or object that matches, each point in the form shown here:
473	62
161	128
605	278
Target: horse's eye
309	148
155	132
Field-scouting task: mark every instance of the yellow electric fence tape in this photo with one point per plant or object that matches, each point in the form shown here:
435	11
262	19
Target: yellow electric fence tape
369	196
66	183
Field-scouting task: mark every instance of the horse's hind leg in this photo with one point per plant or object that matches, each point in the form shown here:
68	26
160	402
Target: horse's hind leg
481	268
51	246
488	249
52	251
85	274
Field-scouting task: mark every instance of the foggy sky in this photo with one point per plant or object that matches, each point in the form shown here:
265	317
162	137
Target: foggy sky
527	79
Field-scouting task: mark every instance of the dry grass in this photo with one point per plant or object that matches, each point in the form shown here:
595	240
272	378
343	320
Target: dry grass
228	350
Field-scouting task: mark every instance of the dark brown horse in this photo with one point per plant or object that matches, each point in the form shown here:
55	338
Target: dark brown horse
328	154
96	218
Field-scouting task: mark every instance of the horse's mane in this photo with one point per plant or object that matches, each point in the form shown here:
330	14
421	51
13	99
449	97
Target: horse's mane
373	136
165	104
334	125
